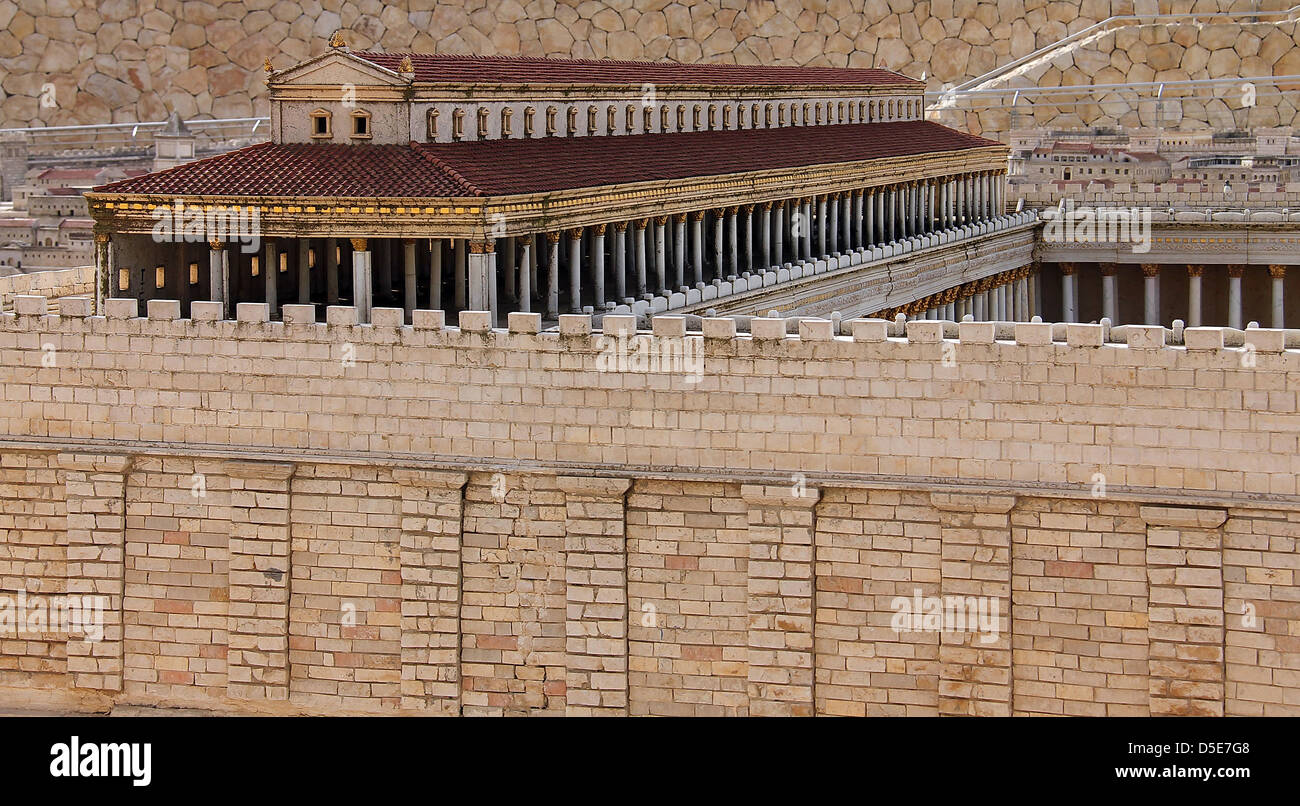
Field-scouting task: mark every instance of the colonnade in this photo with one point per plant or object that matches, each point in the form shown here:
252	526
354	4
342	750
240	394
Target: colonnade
1008	296
594	267
1151	277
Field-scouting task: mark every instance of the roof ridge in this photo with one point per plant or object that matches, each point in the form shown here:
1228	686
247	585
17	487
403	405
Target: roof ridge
364	54
449	171
108	187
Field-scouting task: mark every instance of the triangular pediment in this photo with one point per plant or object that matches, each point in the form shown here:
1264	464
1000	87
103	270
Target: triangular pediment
334	68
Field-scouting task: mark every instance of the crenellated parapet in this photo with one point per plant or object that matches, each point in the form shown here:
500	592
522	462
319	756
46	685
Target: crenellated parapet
994	403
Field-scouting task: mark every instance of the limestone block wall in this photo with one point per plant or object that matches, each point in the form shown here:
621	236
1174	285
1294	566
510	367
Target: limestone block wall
333	518
136	60
52	284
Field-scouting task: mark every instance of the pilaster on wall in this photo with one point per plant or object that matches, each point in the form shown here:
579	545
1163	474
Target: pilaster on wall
1185	614
595	556
96	501
257	664
975	561
780	598
432	503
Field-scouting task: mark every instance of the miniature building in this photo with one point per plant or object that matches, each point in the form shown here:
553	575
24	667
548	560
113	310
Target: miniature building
475	183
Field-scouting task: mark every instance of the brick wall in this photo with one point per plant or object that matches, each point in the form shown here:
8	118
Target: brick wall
466	521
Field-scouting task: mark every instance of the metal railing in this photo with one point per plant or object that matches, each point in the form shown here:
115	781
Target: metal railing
101	137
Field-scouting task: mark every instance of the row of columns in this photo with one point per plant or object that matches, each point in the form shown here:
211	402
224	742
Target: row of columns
674	252
621	261
1151	294
1009	296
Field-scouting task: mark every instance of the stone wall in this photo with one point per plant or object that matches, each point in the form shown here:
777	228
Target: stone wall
52	284
134	60
333	518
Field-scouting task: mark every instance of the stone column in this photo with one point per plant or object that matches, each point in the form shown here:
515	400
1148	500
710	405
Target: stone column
832	224
718	240
780	598
1109	295
271	275
430	552
697	245
408	277
975	567
821	227
661	257
575	270
639	236
95	496
1235	273
1194	295
257	657
362	286
1069	309
982	303
552	274
858	243
1185	626
620	260
845	241
332	271
595	558
1022	296
679	248
482	277
1151	293
733	239
765	236
598	264
525	274
749	239
1278	273
778	246
103	271
218	276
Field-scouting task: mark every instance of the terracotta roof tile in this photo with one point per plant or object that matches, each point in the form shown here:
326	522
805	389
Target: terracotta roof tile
505	167
306	169
447	68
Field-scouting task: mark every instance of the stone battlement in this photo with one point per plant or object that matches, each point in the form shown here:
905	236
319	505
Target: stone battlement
302	517
984	402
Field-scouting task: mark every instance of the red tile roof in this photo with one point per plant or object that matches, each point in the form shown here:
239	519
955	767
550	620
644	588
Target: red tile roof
70	173
446	68
513	166
305	169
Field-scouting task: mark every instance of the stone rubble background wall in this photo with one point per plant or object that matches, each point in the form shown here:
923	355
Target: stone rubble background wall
134	60
475	522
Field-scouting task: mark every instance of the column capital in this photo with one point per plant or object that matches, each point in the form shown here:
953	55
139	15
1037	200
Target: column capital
661	220
1068	268
620	226
599	229
482	247
575	232
698	215
748	208
1150	269
216	245
732	210
1195	270
1109	269
679	218
553	236
1236	270
766	206
1277	271
358	244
